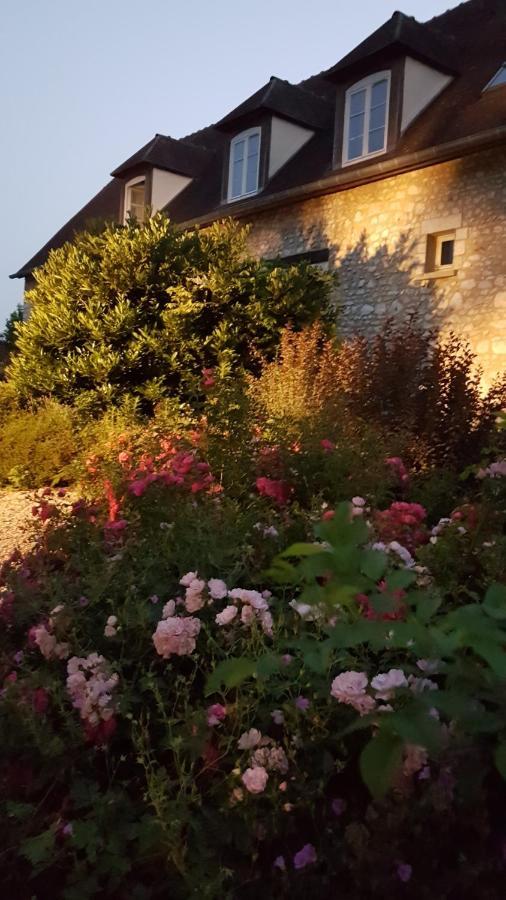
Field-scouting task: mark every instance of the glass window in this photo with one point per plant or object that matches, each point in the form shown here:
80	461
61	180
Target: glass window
446	252
498	79
366	117
135	206
244	164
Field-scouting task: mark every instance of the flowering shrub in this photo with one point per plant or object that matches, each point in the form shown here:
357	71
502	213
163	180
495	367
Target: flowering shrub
178	716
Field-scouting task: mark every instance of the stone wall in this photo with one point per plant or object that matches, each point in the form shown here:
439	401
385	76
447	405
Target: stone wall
377	237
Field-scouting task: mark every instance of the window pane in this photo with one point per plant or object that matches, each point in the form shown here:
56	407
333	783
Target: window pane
237	169
356	126
377	118
447	252
355	147
239	150
376	140
253	144
252	174
379	93
357	103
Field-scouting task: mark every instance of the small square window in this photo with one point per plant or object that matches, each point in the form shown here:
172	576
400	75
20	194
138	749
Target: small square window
440	251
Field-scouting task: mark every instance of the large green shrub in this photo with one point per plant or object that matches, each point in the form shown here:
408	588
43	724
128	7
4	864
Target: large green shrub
141	311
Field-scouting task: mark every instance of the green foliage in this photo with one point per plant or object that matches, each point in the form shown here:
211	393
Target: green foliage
138	312
11	330
38	446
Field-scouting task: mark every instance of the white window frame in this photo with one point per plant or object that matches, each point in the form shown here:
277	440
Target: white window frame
365	84
139	179
243	136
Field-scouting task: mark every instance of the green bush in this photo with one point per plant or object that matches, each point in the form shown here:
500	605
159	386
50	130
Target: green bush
37	446
137	313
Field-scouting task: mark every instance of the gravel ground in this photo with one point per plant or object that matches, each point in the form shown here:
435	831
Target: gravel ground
15	521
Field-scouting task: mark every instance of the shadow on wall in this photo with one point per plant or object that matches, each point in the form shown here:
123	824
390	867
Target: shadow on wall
380	283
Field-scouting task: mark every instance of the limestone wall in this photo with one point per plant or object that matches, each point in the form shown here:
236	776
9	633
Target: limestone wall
377	236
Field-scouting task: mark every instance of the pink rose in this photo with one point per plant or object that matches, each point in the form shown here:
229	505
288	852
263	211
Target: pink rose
226	616
216	713
255	779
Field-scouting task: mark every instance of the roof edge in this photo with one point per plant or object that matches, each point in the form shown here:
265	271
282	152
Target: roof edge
364	175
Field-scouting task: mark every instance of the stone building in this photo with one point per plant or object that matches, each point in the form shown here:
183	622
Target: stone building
389	168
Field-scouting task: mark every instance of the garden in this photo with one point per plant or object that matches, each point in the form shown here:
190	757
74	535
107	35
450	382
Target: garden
258	644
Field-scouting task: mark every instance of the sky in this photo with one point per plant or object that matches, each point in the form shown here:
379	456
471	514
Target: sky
85	83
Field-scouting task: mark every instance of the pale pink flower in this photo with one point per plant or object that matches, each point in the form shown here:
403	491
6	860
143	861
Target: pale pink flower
247	615
253	598
277	716
169	609
349	688
193	597
255	779
386	683
216	713
176	635
193	602
110	629
249	739
217	588
187	579
226	616
279	863
266	622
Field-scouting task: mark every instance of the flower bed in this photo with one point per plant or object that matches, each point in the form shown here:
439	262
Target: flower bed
189	709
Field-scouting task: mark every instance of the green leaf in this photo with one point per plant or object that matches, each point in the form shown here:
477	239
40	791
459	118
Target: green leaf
373	563
500	759
492	654
39	849
380	761
230	673
494	603
268	665
402	578
300	549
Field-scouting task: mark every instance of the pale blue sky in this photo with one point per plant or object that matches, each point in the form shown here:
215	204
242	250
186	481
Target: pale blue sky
85	83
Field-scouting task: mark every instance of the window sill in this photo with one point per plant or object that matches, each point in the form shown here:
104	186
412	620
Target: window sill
432	276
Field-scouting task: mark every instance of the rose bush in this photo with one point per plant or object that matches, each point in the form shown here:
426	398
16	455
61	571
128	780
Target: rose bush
188	708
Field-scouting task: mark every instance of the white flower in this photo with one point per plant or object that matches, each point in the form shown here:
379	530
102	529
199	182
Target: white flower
249	739
386	682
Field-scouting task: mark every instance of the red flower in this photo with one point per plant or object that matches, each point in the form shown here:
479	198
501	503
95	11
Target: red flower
40	700
327	445
279	491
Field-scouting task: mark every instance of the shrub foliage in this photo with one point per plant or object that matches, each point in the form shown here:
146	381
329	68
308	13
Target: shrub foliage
140	311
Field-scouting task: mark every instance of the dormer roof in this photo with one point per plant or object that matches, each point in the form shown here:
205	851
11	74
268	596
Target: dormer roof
400	34
163	152
282	99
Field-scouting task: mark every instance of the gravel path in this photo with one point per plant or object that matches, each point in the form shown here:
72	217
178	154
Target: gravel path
15	521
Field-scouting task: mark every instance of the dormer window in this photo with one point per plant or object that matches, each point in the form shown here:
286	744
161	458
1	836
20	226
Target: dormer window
135	200
366	118
244	164
498	79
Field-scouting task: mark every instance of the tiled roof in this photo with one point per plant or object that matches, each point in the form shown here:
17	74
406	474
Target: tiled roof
468	41
167	153
283	99
402	33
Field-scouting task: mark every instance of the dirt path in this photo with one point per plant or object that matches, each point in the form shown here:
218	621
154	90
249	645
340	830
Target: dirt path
15	521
